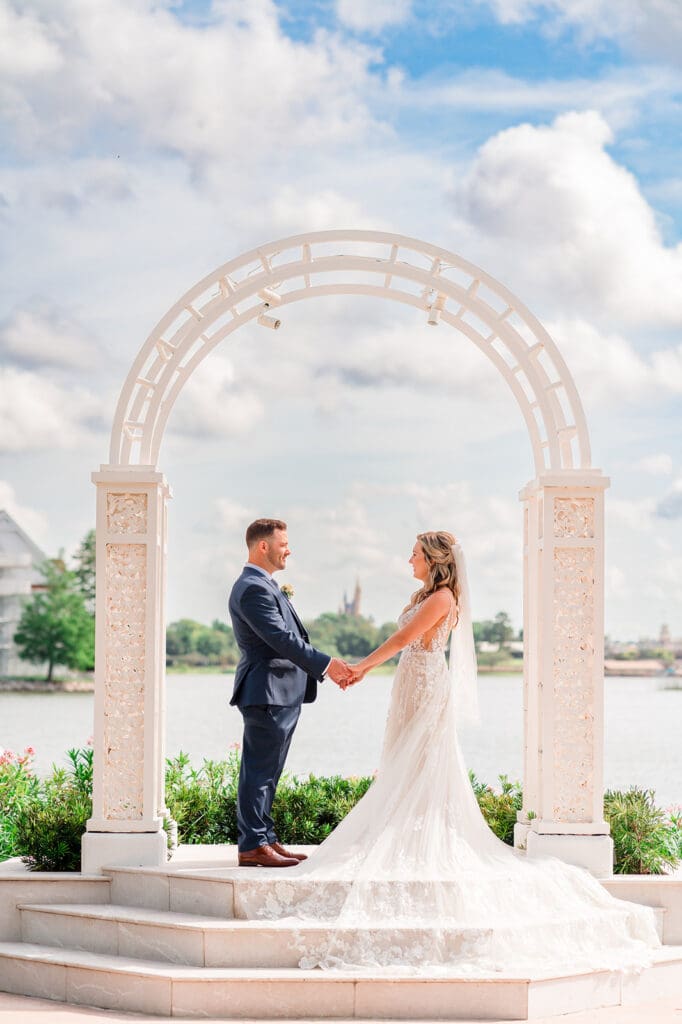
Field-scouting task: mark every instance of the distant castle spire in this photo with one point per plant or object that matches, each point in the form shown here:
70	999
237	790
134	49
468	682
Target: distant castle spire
352	607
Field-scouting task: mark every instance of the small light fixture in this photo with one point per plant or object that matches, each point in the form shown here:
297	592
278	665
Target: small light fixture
434	315
270	297
269	321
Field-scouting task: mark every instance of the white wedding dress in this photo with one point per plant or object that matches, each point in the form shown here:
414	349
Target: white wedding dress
413	878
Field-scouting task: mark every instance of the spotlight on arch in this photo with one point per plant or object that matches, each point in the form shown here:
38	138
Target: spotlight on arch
270	297
434	315
269	321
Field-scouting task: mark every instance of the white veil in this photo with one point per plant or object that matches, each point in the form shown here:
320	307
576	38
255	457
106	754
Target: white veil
463	668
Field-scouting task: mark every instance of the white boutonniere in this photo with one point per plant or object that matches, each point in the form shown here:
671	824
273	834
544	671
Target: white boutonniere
287	590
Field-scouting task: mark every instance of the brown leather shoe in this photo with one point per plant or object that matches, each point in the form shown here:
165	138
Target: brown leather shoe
283	852
265	857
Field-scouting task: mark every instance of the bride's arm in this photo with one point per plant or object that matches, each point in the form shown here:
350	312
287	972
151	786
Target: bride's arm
432	611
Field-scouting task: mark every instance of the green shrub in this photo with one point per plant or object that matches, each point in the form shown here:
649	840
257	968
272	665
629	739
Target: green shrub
499	809
307	810
18	786
203	800
43	822
50	824
645	840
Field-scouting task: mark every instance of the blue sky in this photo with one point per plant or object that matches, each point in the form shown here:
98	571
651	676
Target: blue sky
145	143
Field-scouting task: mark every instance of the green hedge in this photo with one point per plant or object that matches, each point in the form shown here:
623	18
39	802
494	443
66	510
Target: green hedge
42	821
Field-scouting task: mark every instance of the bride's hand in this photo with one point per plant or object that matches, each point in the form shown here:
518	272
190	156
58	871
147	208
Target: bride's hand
358	673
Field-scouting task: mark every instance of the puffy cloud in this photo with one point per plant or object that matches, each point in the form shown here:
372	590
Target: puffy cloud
372	15
660	464
608	368
232	516
26	48
291	207
552	206
33	521
194	90
45	337
213	405
635	514
670	506
37	412
649	26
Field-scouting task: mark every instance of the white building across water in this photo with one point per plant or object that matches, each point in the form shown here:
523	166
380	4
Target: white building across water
19	577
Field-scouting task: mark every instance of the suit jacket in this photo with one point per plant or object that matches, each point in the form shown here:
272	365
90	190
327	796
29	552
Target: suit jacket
278	665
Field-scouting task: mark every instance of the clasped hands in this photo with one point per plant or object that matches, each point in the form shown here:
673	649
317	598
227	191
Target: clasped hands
343	674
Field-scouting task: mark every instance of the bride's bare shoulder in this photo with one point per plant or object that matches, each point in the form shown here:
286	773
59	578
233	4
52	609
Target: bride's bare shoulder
439	601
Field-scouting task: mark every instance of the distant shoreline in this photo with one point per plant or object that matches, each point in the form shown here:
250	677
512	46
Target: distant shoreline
86	684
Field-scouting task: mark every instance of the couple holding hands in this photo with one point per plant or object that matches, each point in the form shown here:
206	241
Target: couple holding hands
279	669
412	876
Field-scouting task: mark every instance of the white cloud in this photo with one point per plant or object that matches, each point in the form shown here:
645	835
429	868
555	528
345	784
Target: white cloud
609	370
660	464
670	506
372	15
36	412
649	26
212	405
26	48
619	95
33	521
232	516
240	87
634	513
45	337
552	207
291	207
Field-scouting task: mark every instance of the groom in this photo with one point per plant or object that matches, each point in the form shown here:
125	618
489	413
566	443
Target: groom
277	672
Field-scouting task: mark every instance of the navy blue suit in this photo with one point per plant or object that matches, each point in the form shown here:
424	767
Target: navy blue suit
278	672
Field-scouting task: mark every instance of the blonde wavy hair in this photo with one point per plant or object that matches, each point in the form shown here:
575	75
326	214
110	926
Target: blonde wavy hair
440	559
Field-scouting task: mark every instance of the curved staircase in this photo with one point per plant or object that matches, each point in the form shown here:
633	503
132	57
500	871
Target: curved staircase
173	941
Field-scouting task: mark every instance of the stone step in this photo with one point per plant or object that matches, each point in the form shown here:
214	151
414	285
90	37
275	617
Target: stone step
208	891
202	941
127	984
653	891
197	940
214	891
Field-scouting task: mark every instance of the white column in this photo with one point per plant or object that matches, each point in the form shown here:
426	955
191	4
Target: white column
564	670
128	790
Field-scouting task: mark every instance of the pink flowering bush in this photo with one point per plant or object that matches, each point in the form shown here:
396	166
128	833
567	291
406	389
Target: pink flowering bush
18	787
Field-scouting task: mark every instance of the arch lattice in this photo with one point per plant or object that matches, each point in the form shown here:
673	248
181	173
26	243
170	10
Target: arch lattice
362	263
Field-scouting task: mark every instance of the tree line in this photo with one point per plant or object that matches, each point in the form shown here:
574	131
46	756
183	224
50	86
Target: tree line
57	625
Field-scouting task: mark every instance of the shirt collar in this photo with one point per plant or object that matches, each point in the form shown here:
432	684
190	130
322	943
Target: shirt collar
263	572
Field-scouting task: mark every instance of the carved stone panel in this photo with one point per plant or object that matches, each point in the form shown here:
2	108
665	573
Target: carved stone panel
126	512
126	607
574	712
574	517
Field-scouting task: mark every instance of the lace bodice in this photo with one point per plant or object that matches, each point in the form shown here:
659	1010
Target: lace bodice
439	639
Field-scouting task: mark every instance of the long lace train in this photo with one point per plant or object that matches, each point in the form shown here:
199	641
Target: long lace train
413	878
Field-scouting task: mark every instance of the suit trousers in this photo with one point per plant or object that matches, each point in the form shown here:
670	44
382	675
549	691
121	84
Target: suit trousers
268	729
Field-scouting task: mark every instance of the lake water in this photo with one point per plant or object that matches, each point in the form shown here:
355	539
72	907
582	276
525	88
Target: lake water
341	733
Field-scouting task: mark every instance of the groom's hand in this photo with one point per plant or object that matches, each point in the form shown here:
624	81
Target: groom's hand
340	672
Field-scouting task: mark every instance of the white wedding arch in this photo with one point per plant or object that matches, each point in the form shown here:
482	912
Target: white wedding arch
562	533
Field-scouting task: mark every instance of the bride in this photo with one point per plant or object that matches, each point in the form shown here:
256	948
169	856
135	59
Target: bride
413	878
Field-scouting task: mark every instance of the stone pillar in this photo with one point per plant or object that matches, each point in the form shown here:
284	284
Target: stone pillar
564	670
128	791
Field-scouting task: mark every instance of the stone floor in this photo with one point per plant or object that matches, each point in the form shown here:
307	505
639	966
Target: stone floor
22	1010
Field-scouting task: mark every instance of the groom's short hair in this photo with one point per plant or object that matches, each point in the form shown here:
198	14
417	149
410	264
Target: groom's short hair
261	529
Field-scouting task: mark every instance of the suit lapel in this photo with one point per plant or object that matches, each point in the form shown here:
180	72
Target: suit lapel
282	601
